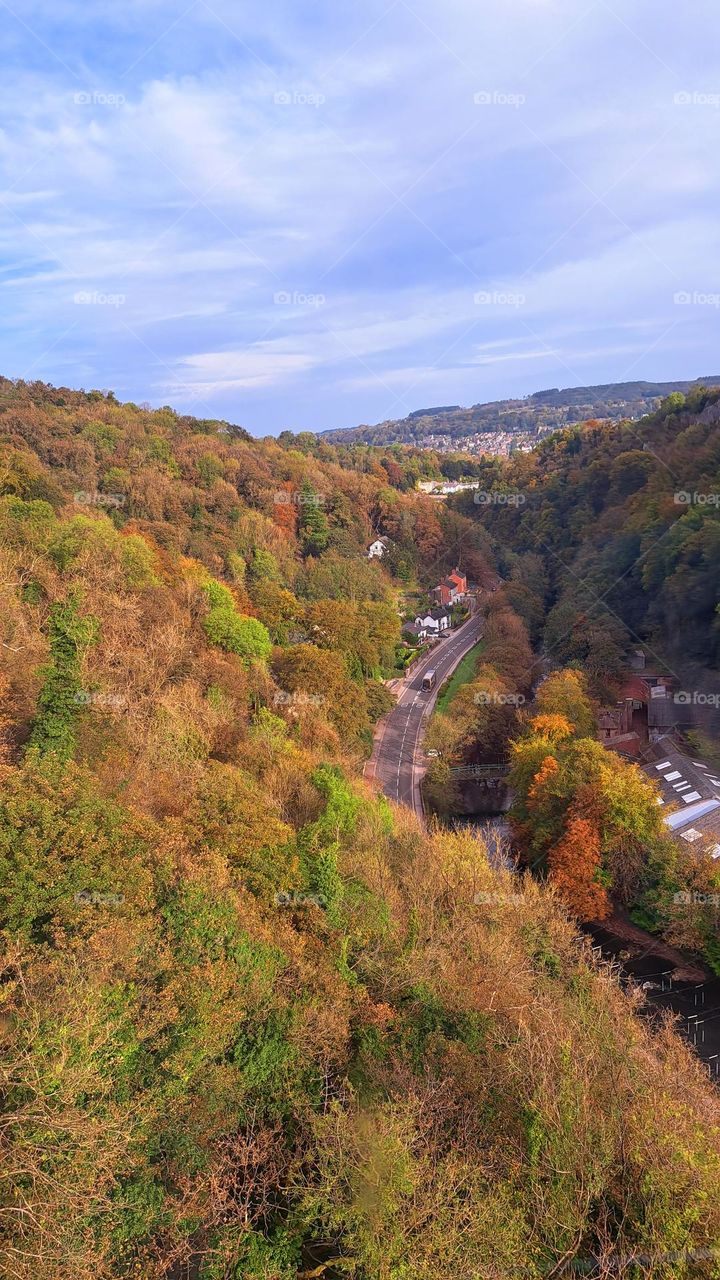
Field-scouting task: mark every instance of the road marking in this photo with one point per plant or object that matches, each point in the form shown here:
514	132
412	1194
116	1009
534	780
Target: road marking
456	647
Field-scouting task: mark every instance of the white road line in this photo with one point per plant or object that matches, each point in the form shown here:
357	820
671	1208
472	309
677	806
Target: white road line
458	646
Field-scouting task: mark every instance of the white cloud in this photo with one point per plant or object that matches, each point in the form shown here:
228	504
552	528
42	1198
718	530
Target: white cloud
183	184
262	365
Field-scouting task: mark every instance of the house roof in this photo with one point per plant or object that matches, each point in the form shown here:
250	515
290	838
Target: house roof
627	744
662	710
694	816
698	827
691	791
437	614
683	781
610	718
635	687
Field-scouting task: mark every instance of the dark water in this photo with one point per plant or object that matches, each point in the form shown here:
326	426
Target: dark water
696	1005
494	831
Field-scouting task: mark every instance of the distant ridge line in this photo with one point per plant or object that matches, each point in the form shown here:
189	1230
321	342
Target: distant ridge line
528	417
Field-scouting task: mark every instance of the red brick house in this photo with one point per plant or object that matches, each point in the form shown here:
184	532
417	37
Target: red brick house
444	594
460	581
451	589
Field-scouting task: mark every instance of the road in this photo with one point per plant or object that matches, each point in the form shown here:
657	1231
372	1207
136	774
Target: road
396	763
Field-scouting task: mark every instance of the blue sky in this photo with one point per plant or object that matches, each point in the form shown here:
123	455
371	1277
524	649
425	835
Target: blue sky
311	216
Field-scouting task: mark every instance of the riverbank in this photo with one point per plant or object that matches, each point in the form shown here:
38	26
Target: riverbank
639	945
668	980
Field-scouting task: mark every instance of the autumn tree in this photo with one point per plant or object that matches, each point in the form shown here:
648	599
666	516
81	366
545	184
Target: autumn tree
556	776
480	720
312	522
277	608
311	672
565	693
553	727
507	647
61	698
230	630
574	865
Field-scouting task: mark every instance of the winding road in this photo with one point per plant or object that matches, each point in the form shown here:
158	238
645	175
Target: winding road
396	763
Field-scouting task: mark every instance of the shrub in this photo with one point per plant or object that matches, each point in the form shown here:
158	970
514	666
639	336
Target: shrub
59	700
229	630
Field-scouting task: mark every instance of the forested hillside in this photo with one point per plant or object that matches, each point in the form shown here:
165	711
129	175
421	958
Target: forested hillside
528	419
610	535
256	1023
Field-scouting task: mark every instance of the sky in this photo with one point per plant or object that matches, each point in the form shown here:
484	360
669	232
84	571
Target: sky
307	216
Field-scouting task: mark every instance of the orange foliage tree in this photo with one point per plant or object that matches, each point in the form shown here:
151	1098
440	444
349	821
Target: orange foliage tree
548	770
574	863
554	727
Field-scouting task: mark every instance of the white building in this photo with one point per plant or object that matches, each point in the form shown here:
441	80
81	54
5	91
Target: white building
434	622
378	548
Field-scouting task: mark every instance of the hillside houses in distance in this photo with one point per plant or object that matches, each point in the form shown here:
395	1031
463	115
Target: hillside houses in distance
491	444
500	427
444	488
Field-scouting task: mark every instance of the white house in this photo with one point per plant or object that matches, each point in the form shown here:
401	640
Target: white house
414	632
442	488
378	548
434	622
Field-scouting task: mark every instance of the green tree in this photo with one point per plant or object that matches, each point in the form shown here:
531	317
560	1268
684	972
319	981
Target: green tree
313	525
247	637
564	693
61	696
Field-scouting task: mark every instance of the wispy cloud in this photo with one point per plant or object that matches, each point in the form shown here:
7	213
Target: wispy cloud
299	211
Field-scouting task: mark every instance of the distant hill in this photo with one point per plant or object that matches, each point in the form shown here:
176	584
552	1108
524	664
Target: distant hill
432	413
500	425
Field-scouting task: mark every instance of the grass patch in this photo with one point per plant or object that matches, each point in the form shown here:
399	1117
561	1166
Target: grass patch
463	674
